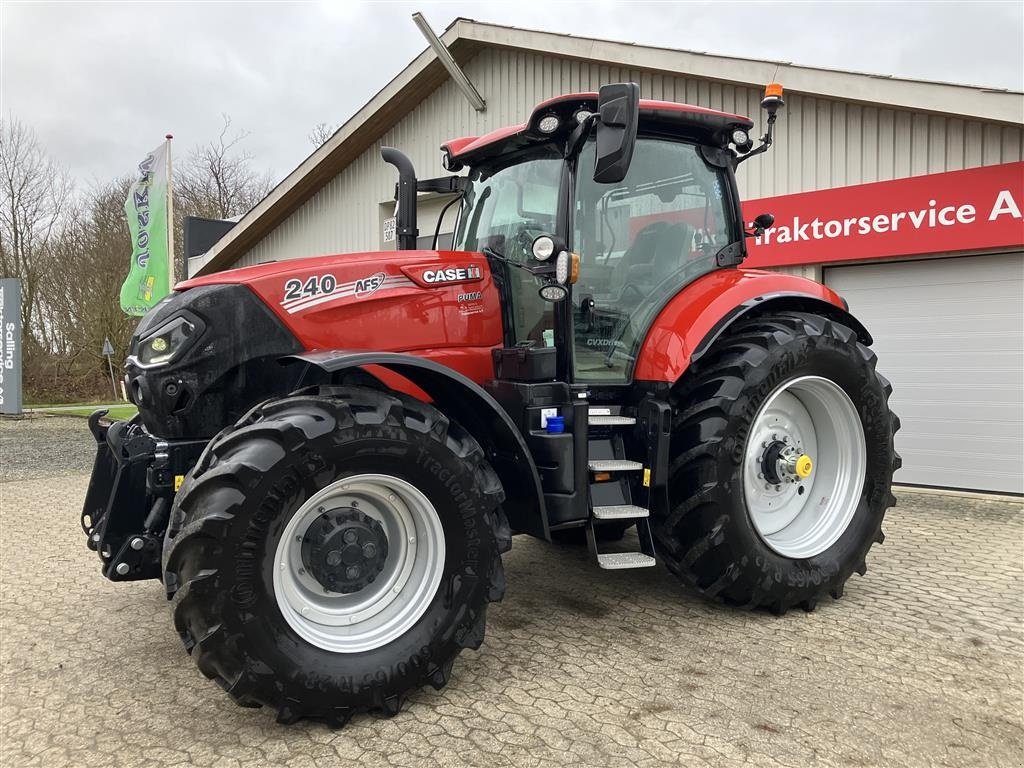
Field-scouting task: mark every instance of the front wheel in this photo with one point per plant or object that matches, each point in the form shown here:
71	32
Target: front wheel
781	464
334	551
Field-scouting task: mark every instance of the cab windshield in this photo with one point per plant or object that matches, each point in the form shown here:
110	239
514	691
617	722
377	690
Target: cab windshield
504	208
639	241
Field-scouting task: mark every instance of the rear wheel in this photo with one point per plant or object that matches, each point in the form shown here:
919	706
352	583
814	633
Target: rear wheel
781	464
334	551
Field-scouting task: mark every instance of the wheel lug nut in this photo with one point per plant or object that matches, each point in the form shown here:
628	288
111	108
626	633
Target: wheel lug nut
369	551
352	572
350	537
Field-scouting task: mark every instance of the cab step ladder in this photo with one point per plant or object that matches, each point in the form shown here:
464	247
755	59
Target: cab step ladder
614	503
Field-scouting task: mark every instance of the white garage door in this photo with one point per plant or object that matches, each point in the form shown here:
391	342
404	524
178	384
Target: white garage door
949	334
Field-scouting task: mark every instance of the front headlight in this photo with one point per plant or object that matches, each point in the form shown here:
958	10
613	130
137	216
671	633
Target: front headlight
166	342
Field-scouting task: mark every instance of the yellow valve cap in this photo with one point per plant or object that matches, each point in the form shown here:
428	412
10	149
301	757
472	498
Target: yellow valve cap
804	465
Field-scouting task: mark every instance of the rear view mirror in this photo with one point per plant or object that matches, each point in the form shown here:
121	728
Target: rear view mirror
618	107
763	222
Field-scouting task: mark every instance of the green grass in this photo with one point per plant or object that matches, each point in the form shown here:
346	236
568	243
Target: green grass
71	403
117	412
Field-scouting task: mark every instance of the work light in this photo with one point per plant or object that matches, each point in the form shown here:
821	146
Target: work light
553	292
562	267
543	248
548	124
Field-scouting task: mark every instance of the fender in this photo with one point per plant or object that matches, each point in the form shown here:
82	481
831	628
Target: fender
701	312
466	402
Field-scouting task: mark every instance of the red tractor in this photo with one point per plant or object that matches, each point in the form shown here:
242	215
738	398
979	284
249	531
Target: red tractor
332	454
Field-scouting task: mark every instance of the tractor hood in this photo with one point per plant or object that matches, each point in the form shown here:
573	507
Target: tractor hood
394	301
206	354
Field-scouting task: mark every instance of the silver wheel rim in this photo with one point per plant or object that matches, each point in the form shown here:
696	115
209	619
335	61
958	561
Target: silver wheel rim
800	517
389	606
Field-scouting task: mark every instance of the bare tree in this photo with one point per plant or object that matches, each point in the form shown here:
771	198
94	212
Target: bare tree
321	133
34	192
80	290
217	180
72	251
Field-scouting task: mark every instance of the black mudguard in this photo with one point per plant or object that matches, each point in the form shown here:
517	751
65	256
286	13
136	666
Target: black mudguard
478	412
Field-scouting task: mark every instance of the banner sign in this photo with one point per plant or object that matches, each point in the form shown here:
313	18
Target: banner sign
148	279
975	209
10	345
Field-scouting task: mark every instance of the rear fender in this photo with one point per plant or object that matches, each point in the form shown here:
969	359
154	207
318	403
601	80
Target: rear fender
698	315
463	400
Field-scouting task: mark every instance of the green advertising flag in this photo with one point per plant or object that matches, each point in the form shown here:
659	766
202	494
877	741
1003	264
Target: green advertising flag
149	278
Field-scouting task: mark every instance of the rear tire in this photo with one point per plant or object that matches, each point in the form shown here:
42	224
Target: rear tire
715	537
224	550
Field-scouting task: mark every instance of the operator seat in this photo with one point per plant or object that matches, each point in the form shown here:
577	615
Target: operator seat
656	252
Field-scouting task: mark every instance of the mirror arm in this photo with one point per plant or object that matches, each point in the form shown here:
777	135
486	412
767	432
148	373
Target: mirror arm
440	218
579	136
766	141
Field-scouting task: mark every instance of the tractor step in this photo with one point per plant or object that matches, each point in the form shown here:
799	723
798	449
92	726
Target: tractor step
611	421
614	465
614	561
620	512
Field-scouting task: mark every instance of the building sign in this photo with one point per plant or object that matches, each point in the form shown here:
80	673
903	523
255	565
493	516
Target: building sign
969	210
10	345
389	229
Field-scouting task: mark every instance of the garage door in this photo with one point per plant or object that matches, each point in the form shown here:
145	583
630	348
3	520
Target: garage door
949	334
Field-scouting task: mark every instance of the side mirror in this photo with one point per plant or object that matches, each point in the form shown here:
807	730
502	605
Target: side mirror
618	108
763	222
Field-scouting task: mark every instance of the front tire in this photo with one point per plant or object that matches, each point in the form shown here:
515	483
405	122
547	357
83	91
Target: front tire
334	551
746	526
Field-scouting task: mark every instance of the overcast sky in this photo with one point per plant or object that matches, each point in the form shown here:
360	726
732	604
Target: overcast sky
103	82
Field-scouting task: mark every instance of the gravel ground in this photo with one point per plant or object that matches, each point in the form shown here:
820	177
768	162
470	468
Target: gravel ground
921	663
38	445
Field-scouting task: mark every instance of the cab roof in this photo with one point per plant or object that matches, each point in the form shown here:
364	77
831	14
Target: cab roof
686	120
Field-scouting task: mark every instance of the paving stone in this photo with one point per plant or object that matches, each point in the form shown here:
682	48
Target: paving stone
920	664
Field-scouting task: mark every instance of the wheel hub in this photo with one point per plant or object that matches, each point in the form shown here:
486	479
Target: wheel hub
782	462
345	550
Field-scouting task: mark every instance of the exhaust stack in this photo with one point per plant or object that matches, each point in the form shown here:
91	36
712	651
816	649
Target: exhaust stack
405	193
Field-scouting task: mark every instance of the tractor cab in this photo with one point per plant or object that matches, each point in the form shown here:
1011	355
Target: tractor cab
639	194
594	214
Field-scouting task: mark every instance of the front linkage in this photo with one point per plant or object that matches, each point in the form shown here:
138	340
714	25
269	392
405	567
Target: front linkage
128	503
